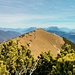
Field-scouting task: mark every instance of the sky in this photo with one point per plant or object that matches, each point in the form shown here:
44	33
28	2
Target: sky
37	13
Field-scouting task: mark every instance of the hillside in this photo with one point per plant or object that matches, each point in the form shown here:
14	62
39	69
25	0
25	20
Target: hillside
17	59
41	41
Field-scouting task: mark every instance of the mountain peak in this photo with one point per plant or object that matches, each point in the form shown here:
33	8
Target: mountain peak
40	29
41	41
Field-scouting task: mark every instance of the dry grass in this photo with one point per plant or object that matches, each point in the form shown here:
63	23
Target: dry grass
41	41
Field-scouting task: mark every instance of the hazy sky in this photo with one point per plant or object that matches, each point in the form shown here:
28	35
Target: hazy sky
37	13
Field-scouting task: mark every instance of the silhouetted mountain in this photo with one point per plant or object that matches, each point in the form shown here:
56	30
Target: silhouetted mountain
64	32
73	31
6	35
20	30
52	29
29	29
64	29
69	36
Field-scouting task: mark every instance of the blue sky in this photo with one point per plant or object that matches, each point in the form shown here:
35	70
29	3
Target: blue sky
37	13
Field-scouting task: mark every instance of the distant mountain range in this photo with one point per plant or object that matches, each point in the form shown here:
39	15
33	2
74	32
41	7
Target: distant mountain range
6	35
25	30
20	30
64	32
63	29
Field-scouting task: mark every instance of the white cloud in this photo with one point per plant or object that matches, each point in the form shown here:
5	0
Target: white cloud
21	17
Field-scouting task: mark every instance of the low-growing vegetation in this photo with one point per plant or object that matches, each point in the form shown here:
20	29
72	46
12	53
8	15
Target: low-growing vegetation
16	60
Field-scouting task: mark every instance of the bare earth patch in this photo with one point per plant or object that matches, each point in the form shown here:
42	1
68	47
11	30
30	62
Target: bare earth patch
41	41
